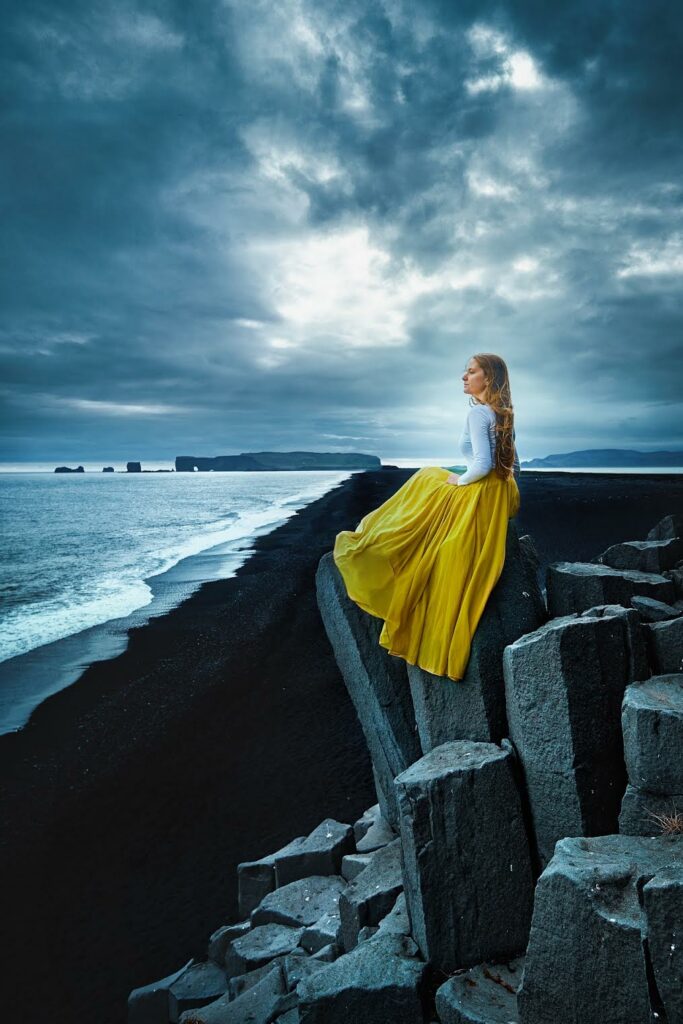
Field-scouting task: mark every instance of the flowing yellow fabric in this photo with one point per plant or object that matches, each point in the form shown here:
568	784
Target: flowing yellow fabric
426	562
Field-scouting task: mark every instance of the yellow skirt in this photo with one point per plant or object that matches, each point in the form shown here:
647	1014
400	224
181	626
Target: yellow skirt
426	562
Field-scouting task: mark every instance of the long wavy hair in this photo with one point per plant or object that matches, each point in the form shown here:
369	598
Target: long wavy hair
497	394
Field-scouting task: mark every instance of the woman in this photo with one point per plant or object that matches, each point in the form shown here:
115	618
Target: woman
427	559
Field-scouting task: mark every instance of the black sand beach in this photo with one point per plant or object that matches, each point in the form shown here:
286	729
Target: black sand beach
222	732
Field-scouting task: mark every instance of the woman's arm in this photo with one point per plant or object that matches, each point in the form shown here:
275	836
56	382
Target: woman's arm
482	463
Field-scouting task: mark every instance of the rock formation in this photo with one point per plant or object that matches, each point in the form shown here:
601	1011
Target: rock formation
524	862
255	461
133	467
68	469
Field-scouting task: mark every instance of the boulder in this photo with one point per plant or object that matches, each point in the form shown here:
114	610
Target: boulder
200	984
467	871
320	853
665	645
149	1004
634	636
379	982
669	526
221	939
649	814
662	899
587	958
676	577
575	586
652	726
376	681
474	707
326	930
371	895
485	994
260	945
241	982
353	864
643	555
256	1005
398	918
365	822
296	968
379	834
650	610
328	954
301	903
564	685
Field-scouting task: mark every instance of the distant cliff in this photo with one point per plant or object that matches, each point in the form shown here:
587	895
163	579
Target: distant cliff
277	460
68	469
612	457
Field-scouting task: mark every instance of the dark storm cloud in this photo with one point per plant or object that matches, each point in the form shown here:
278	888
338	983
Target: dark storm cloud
231	226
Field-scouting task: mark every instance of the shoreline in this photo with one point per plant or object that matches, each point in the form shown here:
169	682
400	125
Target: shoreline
221	732
30	678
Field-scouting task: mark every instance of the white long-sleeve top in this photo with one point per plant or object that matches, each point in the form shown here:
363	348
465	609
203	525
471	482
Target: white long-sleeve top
478	444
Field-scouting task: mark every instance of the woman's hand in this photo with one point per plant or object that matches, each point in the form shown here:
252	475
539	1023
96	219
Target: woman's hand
452	478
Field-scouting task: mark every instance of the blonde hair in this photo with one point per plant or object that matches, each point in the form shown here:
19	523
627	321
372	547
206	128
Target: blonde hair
497	394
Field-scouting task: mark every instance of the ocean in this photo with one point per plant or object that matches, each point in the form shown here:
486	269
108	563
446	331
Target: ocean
83	550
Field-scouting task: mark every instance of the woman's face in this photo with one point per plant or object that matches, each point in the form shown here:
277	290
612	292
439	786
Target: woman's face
473	379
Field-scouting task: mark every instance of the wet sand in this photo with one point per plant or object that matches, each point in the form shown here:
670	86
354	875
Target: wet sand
222	732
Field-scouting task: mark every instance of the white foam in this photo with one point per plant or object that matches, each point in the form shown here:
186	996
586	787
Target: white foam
107	598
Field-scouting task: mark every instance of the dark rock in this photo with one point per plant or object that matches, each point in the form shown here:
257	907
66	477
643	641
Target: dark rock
300	903
199	985
353	864
107	469
676	577
67	469
575	586
652	725
650	610
325	931
371	895
133	467
222	937
276	461
257	1005
376	682
643	555
242	982
256	878
474	707
647	814
564	685
398	919
296	968
379	982
485	994
328	954
149	1004
467	871
379	834
665	644
587	955
365	822
669	526
320	853
260	945
634	636
662	899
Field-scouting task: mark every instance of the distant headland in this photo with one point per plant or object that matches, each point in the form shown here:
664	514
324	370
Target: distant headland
277	460
612	457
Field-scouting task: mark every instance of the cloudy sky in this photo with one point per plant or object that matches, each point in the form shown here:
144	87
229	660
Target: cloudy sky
285	224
